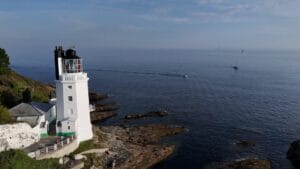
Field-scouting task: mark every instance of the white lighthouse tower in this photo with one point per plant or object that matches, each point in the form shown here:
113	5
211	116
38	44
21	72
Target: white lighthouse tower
72	96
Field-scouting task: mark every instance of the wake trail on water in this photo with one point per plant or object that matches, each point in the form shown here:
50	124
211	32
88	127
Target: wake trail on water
143	73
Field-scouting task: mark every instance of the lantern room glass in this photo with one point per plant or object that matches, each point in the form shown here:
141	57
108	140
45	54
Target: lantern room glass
72	65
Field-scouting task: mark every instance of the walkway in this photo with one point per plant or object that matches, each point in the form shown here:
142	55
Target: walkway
51	147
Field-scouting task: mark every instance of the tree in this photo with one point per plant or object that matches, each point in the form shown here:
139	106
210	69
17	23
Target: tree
4	62
8	99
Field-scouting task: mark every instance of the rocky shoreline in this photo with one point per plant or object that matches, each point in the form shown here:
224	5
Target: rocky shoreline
134	147
129	147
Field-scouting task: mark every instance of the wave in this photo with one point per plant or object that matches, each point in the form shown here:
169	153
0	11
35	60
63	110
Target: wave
143	73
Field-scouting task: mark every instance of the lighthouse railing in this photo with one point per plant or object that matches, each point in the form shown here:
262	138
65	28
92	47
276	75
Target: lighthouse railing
73	77
60	143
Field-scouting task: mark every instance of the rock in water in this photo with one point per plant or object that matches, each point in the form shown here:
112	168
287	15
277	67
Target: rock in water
101	116
246	143
293	153
248	164
148	114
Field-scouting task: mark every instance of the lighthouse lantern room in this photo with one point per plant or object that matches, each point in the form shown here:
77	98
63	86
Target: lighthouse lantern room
72	99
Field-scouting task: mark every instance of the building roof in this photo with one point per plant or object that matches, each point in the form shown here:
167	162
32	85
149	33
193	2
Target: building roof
30	109
45	107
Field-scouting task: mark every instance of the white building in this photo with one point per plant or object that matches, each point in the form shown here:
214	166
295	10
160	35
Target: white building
72	96
37	115
69	113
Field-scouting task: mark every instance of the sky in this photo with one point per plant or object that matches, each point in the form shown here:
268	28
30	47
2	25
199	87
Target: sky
37	25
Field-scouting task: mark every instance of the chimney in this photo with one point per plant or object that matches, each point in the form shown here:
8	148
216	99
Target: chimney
58	53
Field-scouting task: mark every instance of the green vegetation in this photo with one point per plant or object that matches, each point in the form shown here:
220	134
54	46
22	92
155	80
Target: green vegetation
17	159
12	85
92	159
98	138
8	98
5	116
4	62
83	146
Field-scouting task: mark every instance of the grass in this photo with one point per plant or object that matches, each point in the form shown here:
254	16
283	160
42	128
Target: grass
95	143
17	159
83	146
5	116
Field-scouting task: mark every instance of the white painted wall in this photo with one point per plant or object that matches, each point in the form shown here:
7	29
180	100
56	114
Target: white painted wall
37	128
78	109
83	122
51	114
15	136
65	126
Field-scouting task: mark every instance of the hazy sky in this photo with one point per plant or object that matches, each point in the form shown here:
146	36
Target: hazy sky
26	25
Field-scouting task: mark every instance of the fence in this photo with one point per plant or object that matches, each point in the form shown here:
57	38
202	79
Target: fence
52	148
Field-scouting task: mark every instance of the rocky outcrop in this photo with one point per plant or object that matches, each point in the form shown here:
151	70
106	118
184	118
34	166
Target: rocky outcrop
103	109
246	143
15	136
94	97
136	147
148	114
147	134
106	107
130	147
248	164
101	116
293	153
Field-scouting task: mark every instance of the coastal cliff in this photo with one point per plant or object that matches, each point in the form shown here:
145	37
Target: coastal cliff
13	84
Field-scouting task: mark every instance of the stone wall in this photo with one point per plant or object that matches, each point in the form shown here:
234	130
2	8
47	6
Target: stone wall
65	150
15	136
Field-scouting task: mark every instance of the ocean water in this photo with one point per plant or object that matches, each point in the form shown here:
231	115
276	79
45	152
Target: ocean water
218	105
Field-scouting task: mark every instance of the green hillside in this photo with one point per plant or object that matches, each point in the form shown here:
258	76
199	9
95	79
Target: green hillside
13	84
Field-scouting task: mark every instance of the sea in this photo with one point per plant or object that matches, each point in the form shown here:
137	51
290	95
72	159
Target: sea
218	105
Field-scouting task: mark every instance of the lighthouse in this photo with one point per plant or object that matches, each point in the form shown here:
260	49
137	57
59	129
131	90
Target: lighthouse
72	96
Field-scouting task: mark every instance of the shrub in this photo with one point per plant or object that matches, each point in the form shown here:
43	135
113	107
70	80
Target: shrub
8	99
17	159
5	116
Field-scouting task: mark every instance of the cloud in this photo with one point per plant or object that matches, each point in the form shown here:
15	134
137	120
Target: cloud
135	28
79	24
210	1
165	18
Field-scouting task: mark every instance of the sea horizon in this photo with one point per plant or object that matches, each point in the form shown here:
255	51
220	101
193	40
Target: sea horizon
218	105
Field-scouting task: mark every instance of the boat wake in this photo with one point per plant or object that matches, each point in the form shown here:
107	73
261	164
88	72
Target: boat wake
143	73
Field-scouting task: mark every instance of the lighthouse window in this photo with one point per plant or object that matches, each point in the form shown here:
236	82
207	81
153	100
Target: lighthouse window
70	98
70	87
69	127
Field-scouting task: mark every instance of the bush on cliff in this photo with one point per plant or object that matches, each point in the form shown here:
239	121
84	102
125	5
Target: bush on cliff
5	116
8	98
17	159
